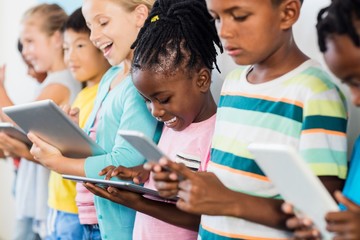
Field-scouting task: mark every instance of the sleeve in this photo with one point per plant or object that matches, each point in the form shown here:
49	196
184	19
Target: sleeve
136	117
323	141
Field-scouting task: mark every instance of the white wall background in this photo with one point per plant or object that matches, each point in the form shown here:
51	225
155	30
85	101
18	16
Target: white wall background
20	86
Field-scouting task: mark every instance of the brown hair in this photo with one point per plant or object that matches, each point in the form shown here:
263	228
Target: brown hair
52	17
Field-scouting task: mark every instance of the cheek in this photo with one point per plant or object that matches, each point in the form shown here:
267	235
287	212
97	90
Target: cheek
355	95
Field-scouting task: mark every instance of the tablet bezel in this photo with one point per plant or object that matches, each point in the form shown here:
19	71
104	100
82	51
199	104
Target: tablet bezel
121	185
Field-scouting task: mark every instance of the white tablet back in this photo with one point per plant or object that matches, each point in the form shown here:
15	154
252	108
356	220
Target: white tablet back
295	181
51	124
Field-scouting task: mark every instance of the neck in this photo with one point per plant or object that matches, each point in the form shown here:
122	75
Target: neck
208	110
285	59
96	79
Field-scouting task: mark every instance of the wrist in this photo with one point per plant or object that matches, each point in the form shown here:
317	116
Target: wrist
234	204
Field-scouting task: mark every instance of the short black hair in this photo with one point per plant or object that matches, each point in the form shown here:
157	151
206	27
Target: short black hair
76	22
338	18
177	32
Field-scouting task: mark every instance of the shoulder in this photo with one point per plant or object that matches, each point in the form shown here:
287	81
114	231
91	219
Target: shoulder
313	77
235	74
109	75
63	77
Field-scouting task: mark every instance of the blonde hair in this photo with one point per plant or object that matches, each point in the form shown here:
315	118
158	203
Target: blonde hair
52	17
130	5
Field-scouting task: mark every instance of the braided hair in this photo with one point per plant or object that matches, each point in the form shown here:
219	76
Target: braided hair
338	18
177	33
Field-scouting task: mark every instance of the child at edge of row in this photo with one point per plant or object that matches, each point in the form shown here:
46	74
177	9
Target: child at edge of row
42	42
39	77
339	34
282	97
174	78
114	26
70	219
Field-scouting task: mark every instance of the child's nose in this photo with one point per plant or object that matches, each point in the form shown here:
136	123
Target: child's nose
156	110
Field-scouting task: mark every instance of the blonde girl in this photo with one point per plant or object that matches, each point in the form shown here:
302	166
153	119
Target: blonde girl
114	27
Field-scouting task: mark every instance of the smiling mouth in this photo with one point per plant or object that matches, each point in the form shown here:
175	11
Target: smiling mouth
169	122
105	48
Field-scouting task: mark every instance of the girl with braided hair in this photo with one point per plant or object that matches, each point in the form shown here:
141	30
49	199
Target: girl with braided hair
175	53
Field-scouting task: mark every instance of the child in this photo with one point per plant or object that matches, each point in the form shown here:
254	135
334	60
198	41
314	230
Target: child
39	77
282	97
339	36
174	78
87	65
118	105
42	42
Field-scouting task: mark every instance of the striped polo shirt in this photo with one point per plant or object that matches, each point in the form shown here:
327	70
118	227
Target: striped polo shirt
302	108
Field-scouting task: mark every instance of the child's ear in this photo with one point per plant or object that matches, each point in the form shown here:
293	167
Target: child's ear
141	12
290	12
204	80
57	39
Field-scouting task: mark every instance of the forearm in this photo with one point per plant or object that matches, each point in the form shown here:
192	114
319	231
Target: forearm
70	166
332	183
5	101
168	212
265	211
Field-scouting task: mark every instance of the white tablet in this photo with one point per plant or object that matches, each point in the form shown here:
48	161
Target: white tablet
118	184
51	124
295	181
145	146
14	132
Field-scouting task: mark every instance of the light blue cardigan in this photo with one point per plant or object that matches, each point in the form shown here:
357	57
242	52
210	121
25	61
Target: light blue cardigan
121	108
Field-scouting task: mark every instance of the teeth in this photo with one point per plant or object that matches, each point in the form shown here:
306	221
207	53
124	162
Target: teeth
170	121
103	46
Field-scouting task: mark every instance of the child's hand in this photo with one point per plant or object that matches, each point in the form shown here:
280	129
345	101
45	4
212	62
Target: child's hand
73	113
166	182
136	174
303	227
43	152
13	147
199	192
2	75
346	224
126	198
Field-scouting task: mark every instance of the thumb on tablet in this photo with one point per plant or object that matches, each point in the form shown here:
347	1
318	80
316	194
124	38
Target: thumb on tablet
178	168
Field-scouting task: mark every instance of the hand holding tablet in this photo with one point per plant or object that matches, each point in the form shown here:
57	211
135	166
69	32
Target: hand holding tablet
46	120
14	132
295	181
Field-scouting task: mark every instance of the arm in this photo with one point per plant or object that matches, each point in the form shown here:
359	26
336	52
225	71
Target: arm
51	157
2	155
4	98
14	147
197	197
166	212
129	110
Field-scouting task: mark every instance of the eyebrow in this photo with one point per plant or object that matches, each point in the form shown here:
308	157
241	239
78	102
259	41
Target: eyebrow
230	10
154	95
